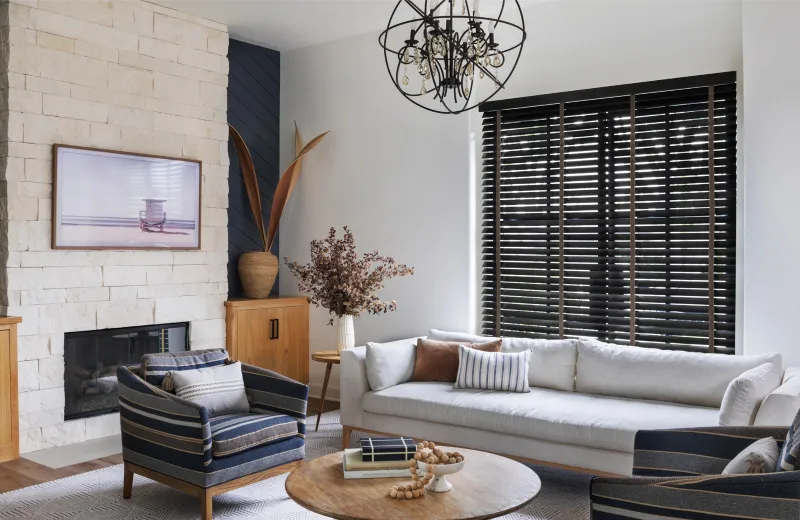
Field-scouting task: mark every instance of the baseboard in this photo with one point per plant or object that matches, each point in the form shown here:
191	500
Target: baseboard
315	391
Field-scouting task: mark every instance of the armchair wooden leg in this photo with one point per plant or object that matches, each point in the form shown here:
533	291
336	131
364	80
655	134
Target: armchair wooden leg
206	500
127	482
346	431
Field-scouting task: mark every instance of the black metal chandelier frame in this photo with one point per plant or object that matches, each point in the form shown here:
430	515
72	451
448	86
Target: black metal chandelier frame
453	71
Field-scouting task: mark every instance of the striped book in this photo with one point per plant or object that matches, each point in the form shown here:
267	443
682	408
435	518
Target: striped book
380	449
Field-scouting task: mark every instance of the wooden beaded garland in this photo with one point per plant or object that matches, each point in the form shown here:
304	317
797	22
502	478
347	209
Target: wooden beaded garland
428	452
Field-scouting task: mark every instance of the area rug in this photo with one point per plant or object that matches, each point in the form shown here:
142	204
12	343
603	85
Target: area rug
98	494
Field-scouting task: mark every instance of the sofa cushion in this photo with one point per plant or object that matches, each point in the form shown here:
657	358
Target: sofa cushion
499	371
156	366
593	421
552	360
664	375
780	407
438	360
235	433
390	364
745	393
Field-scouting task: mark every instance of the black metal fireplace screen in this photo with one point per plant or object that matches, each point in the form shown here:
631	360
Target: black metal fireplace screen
91	359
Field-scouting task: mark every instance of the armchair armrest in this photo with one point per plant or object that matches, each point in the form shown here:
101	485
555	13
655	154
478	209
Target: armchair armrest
353	384
695	451
780	407
273	392
766	495
157	425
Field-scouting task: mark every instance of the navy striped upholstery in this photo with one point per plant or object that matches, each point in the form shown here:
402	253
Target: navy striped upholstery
269	391
165	433
789	459
684	479
156	366
234	433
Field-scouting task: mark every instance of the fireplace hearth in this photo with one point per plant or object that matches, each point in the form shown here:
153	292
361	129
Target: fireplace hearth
91	359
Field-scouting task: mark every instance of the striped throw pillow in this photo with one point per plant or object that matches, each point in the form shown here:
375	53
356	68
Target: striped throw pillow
220	389
507	372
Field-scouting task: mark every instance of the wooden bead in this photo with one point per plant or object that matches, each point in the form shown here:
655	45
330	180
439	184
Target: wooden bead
415	493
431	460
420	446
457	454
432	445
425	444
393	493
443	459
452	460
409	494
418	456
459	459
413	463
414	477
428	475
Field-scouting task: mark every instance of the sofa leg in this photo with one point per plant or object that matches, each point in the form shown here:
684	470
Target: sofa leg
127	486
346	431
206	500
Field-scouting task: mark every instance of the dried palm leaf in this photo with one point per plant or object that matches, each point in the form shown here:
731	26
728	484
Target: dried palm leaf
250	180
286	185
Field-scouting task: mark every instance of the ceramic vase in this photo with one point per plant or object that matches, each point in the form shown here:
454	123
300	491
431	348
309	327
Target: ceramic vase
345	334
257	272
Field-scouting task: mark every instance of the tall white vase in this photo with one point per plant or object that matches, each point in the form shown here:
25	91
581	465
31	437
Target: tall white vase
345	334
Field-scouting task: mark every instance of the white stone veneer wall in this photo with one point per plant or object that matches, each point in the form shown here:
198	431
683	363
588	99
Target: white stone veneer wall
123	75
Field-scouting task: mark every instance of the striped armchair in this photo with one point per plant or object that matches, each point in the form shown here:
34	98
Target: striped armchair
677	474
176	442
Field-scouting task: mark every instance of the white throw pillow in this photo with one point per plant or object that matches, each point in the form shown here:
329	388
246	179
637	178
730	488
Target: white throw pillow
552	360
780	407
661	375
219	389
493	370
759	457
745	393
390	364
441	335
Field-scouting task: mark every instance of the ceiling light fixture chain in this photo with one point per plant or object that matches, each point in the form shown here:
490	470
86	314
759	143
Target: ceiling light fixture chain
447	49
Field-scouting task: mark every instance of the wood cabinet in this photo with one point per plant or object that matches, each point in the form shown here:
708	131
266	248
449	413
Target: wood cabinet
9	391
271	333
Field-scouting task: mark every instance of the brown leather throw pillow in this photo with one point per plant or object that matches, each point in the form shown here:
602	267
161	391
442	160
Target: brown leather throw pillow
438	360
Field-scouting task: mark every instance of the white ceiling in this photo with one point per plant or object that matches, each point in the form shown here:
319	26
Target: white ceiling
285	25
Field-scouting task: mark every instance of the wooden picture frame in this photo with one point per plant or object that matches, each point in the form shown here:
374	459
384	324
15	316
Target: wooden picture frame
108	200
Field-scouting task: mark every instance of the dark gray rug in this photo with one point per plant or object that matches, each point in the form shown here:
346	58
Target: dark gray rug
98	495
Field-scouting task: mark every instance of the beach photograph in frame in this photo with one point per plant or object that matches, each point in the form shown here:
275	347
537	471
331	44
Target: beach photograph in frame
104	199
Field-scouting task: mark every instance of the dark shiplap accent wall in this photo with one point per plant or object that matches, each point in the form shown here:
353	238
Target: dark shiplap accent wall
253	109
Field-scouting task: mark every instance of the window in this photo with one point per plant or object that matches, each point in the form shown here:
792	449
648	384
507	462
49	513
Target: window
565	253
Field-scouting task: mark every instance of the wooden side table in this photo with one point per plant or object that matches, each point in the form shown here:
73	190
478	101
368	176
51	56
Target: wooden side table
329	357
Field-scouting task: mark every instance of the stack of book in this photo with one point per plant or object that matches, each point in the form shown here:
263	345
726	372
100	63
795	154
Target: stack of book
379	458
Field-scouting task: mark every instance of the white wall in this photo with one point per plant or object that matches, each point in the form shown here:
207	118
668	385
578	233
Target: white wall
770	136
129	76
401	178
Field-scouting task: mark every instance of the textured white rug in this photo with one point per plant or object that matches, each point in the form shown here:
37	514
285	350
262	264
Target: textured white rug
98	495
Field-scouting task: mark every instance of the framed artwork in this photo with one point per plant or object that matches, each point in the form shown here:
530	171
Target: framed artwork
104	199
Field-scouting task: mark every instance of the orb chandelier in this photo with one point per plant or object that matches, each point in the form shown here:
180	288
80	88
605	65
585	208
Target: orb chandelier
447	56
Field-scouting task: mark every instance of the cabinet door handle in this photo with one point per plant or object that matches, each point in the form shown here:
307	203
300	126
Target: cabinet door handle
277	329
271	329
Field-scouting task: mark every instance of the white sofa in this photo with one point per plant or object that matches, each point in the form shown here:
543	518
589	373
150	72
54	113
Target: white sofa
586	403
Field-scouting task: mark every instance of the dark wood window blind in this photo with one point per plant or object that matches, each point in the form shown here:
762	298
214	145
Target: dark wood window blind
611	213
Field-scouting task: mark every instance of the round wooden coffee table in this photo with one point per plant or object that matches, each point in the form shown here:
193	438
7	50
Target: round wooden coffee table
489	486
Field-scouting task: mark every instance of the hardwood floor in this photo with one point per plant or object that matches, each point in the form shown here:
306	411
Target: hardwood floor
21	473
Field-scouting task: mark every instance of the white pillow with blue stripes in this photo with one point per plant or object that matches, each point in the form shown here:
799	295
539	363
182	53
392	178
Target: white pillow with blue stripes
506	372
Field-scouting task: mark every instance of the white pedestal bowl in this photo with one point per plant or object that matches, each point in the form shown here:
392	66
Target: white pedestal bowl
439	483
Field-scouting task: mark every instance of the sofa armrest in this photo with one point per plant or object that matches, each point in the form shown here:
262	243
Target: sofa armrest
269	391
766	495
694	451
158	425
780	407
353	384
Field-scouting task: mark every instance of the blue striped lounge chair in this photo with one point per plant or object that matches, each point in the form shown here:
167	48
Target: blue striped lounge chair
176	442
677	474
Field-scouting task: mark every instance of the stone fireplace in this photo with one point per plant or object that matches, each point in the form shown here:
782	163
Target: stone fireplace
91	359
